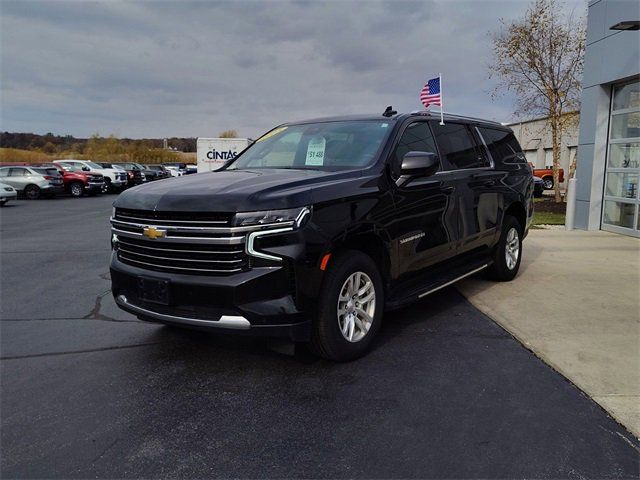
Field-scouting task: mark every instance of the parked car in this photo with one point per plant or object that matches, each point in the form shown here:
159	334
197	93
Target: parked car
538	187
7	192
546	174
174	171
161	171
76	181
180	167
32	182
192	169
149	174
134	175
113	178
319	226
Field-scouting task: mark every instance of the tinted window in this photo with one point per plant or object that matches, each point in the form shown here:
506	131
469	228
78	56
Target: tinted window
502	145
18	172
457	146
416	137
4	172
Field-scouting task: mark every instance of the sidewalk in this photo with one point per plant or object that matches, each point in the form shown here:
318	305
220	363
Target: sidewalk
576	304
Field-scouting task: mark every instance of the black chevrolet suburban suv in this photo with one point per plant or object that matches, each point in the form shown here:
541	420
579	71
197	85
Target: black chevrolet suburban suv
320	226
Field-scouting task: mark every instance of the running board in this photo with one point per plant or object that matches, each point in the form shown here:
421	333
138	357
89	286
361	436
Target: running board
442	279
451	282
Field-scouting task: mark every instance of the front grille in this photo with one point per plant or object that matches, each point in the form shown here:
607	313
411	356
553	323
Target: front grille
182	258
183	242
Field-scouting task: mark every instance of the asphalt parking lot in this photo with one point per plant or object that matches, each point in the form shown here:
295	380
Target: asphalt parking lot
89	391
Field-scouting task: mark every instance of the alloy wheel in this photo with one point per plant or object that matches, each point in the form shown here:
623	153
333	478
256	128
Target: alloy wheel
512	248
76	190
356	306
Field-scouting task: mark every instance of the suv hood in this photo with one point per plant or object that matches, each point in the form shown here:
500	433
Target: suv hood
240	190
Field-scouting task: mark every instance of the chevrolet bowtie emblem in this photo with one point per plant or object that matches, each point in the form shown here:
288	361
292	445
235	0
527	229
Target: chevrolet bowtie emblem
153	233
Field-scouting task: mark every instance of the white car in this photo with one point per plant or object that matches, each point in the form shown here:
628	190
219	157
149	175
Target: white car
7	192
115	179
173	170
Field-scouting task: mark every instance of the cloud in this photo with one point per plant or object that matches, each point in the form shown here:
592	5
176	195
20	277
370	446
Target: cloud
178	68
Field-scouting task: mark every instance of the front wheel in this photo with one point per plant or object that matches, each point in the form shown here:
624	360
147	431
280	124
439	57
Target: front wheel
76	189
508	252
548	183
350	308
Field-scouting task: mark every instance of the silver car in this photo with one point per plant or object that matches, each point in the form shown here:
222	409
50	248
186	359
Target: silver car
33	182
7	192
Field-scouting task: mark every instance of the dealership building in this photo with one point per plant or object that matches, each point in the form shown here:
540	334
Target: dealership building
608	167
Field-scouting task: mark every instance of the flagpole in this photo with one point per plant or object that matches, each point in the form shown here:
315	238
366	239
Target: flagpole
441	101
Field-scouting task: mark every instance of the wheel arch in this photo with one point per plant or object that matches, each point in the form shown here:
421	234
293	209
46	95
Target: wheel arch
516	209
372	245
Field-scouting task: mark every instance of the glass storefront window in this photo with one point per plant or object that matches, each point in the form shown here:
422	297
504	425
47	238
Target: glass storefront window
624	155
623	185
626	96
619	214
625	125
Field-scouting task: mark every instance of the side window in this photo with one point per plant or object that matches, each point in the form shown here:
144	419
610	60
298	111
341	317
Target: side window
457	146
4	172
416	137
502	145
18	172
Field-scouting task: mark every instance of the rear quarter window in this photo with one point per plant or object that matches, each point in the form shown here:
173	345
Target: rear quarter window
502	145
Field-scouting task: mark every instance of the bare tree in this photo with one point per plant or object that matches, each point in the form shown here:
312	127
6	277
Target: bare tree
539	58
228	134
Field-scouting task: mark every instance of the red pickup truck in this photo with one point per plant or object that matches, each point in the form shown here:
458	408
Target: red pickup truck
546	174
77	182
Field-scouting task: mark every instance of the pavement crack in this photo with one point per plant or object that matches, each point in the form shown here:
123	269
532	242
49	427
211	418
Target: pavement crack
95	311
105	451
74	352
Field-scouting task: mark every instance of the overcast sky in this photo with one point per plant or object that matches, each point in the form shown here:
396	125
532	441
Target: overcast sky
179	68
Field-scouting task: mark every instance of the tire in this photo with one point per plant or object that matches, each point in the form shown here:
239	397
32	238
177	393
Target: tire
76	189
108	188
362	321
506	261
32	192
548	183
3	202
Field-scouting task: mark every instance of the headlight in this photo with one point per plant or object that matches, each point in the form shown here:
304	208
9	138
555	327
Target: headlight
298	215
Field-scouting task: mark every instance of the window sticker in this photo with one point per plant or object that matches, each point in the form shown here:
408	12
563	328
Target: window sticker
315	151
272	133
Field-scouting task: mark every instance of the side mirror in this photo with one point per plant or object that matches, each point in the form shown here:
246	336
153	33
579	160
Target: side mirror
417	164
86	169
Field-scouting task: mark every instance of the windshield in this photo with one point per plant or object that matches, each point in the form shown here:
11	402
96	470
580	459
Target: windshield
317	146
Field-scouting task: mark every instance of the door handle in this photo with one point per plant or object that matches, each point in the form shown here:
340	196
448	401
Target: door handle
446	189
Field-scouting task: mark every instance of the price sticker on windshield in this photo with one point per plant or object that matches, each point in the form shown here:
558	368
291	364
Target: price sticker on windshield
315	151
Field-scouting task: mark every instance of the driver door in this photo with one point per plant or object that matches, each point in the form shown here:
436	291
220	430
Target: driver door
425	229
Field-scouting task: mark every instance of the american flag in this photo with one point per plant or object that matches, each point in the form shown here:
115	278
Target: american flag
430	94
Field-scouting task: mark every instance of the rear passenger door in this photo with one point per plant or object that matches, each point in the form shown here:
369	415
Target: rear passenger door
476	183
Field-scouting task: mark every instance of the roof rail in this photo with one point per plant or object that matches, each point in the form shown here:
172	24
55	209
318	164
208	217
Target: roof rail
453	115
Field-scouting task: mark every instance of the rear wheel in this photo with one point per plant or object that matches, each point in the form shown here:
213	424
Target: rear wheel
76	189
32	192
350	308
508	252
548	183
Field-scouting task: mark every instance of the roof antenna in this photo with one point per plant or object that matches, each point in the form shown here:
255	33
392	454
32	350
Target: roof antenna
389	112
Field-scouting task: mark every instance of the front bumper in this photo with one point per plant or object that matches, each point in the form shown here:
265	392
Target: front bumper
94	186
255	302
5	196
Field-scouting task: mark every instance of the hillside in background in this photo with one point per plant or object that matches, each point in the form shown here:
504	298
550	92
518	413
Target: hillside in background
29	147
50	143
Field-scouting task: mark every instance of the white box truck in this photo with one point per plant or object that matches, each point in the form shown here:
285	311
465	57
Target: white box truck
212	153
